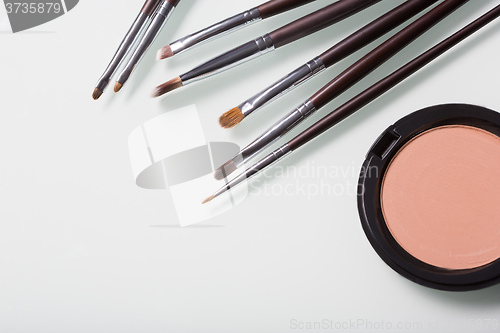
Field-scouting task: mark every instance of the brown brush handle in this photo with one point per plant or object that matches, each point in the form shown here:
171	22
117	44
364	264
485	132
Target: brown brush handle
318	20
173	2
390	81
374	30
149	7
275	7
378	56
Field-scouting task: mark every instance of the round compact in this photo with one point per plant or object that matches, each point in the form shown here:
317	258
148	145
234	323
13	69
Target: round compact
429	197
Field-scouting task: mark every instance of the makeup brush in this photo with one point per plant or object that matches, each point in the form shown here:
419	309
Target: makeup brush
361	100
162	13
289	33
261	12
134	33
341	50
341	83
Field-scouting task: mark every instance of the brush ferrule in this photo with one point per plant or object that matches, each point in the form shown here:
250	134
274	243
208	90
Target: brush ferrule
214	31
160	16
256	168
165	9
230	59
303	111
264	44
135	32
282	86
275	132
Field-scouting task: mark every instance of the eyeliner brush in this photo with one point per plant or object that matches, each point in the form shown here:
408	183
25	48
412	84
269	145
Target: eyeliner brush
142	20
341	83
261	12
162	13
289	33
361	100
341	50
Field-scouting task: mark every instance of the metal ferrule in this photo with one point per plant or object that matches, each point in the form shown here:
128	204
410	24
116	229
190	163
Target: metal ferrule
282	86
219	29
275	132
230	59
160	16
256	168
135	32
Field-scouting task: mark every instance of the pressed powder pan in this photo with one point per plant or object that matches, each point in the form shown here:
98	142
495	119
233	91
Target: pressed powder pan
429	197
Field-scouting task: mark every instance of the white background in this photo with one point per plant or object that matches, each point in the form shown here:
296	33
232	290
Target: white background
83	249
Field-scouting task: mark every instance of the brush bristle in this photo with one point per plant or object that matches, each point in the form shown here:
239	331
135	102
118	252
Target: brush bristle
231	118
118	87
210	198
167	87
96	94
225	170
164	52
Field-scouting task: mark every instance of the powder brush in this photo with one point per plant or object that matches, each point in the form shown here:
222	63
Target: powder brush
241	20
161	15
289	33
341	50
341	83
135	32
361	100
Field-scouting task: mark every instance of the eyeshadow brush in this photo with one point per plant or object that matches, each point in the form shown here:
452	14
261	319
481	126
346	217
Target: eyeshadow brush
361	100
135	32
261	12
341	83
162	13
341	50
289	33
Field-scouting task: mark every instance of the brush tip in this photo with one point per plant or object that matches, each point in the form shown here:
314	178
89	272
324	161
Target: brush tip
164	52
167	87
225	170
231	118
118	87
96	94
210	198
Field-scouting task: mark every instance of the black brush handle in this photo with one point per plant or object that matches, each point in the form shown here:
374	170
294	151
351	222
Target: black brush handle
374	30
275	7
318	20
390	81
379	55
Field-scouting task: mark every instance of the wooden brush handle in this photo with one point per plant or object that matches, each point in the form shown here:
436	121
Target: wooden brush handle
318	20
275	7
149	7
378	56
374	30
390	81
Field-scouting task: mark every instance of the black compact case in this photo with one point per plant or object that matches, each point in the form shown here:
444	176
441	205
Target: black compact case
369	202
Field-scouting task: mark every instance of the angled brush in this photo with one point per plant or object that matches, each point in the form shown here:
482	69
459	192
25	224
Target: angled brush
261	12
287	34
341	83
361	100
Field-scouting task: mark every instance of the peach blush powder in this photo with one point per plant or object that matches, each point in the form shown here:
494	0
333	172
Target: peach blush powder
440	197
